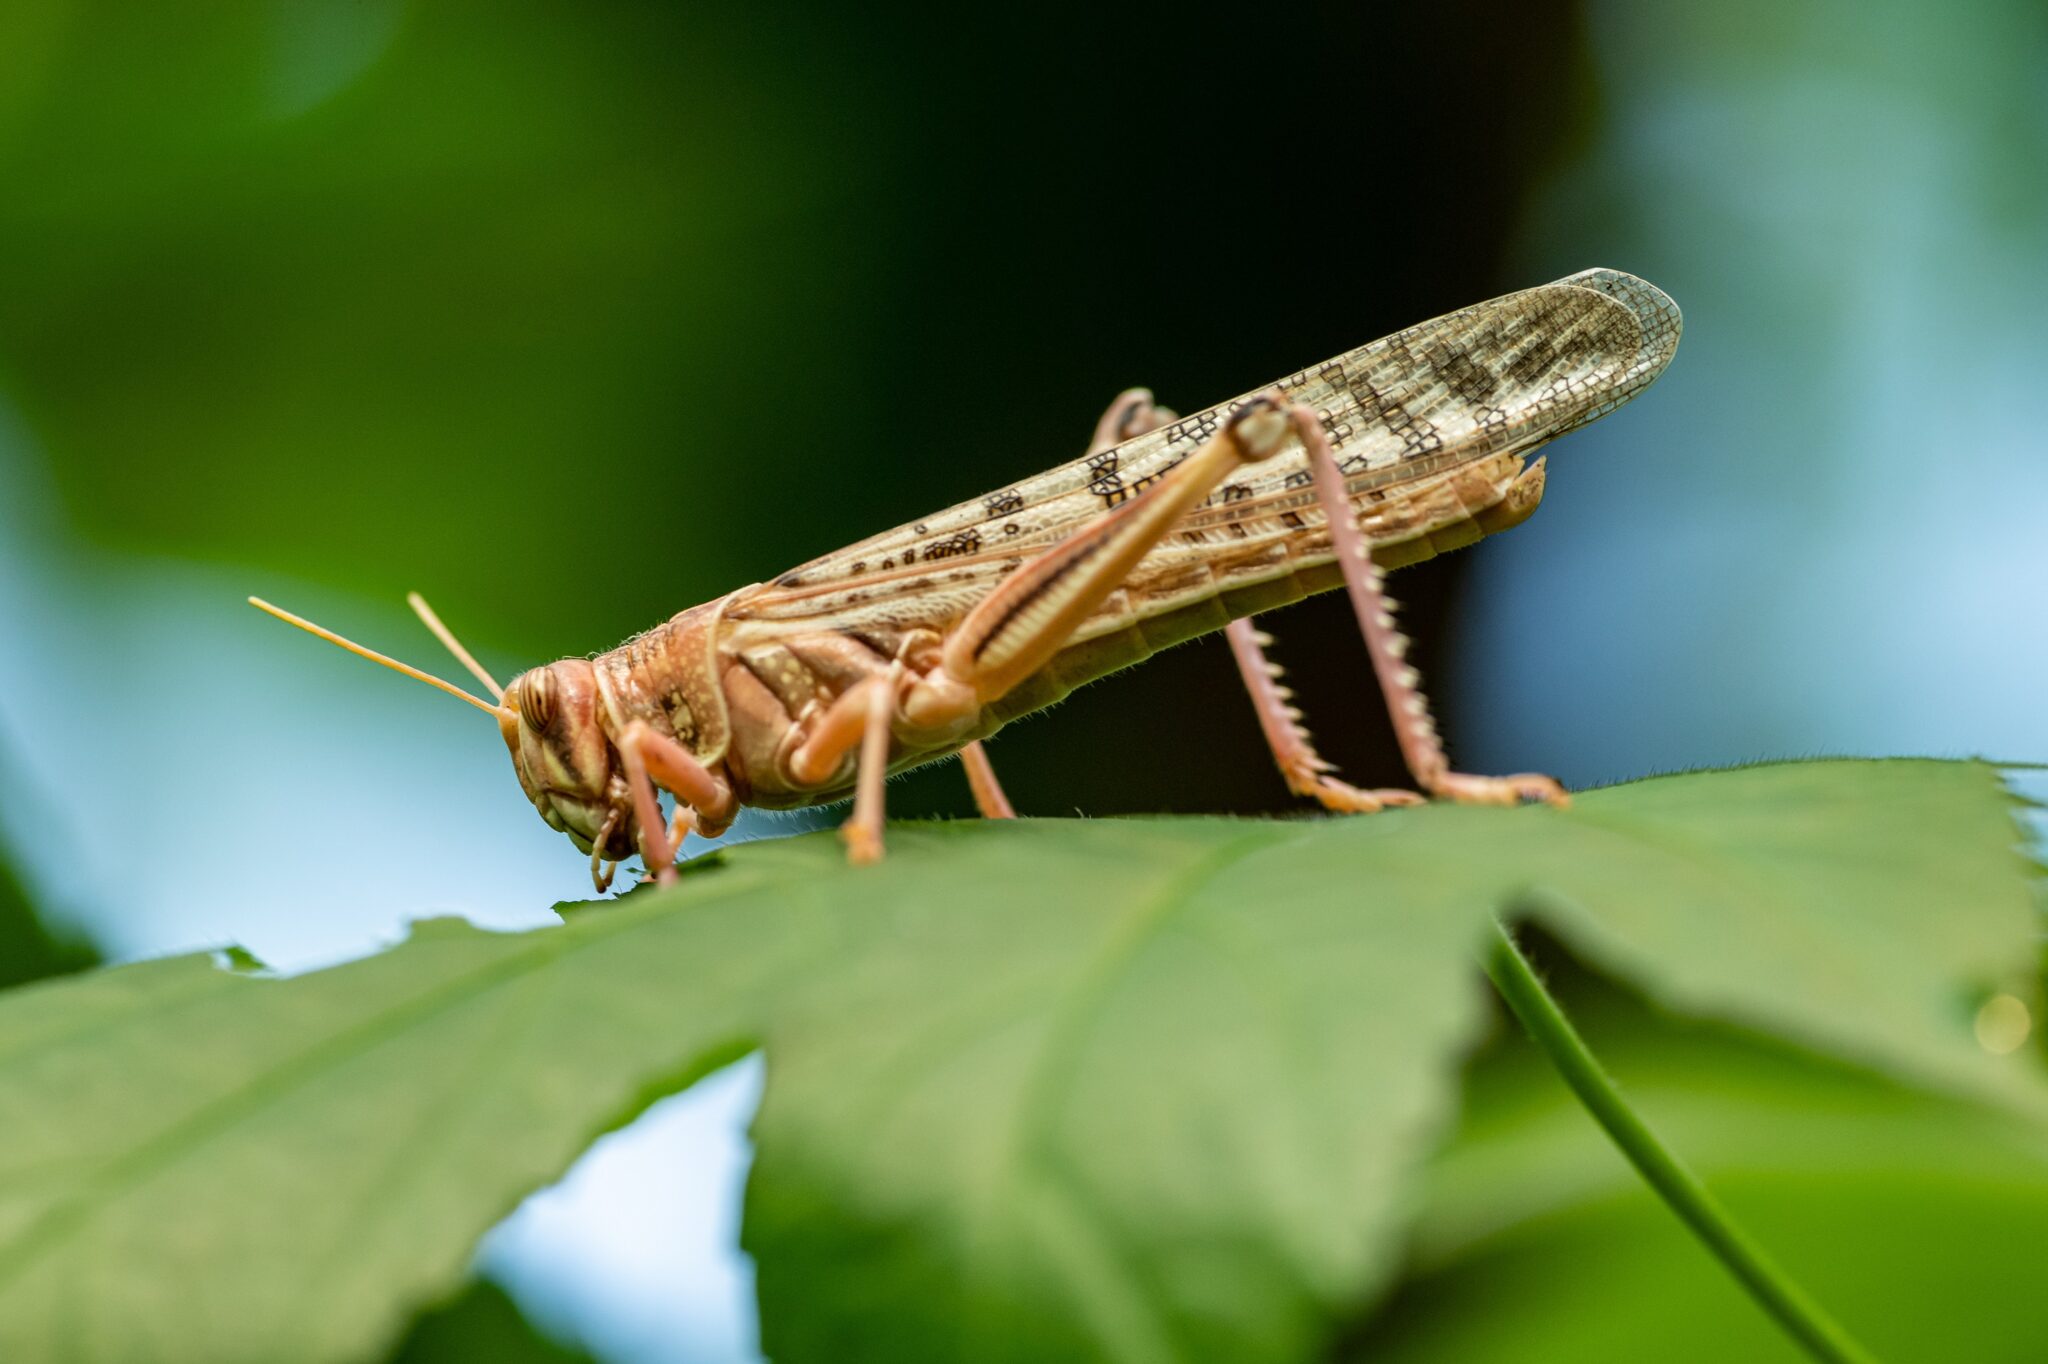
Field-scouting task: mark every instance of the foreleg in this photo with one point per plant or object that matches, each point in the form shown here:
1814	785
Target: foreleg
652	758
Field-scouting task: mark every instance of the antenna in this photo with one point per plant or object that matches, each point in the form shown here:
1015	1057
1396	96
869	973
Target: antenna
310	628
447	637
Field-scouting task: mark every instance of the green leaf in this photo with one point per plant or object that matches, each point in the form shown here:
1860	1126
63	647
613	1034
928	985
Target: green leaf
1864	908
1139	1090
200	1164
1052	1089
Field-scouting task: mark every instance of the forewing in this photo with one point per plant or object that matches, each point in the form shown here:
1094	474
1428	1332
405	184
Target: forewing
1508	374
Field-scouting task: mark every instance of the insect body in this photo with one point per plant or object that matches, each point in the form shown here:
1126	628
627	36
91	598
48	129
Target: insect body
917	643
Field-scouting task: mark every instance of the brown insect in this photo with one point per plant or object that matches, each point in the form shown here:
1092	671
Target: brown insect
920	642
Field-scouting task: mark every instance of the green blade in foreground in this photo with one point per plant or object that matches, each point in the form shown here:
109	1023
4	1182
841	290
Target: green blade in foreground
1142	1090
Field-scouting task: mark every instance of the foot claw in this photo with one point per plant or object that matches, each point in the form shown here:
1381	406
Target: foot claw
1466	789
863	845
1345	798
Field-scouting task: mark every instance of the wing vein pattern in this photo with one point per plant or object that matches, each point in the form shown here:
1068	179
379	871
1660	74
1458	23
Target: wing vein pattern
1405	414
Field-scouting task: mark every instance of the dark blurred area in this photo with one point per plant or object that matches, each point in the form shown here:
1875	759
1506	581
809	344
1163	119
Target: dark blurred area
574	316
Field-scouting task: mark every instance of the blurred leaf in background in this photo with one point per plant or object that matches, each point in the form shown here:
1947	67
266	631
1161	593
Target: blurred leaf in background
31	947
1916	1220
29	950
430	317
480	1326
1832	543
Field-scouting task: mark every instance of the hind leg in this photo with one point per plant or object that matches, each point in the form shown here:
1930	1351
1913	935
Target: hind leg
1014	630
1306	772
989	797
1130	415
1388	647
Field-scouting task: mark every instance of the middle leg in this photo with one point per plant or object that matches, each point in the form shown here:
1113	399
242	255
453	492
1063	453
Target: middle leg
862	831
989	796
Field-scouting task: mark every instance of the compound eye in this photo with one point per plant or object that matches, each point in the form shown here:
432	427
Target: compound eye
539	701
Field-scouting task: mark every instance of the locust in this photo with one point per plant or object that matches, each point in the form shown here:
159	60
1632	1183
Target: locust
919	643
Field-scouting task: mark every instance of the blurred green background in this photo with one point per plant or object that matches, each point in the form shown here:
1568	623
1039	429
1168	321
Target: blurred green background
572	315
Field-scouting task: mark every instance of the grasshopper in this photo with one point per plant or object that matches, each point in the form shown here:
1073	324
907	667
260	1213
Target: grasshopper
919	643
